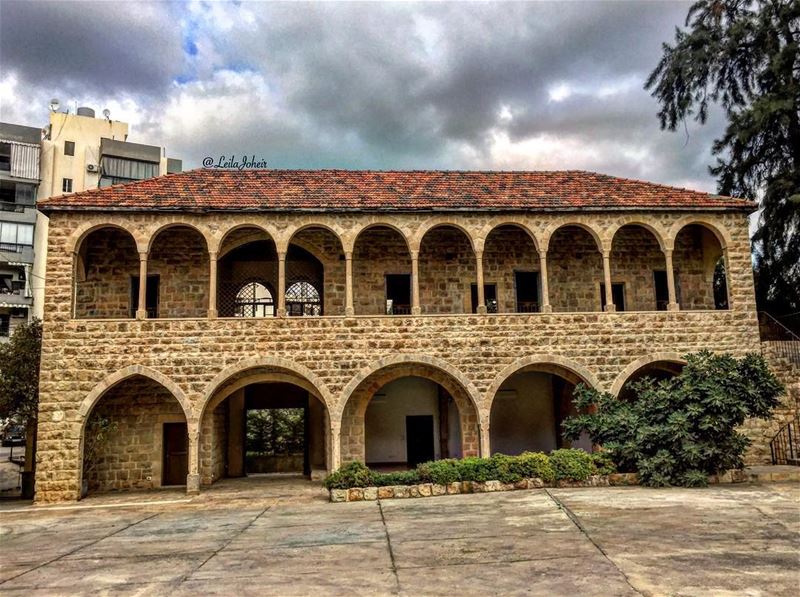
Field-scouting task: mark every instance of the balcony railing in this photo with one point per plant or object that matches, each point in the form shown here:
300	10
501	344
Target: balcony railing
14	247
528	307
15	207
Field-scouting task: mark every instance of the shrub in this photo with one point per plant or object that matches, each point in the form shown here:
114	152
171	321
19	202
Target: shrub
571	464
680	430
477	469
506	469
603	463
352	474
535	464
440	471
395	478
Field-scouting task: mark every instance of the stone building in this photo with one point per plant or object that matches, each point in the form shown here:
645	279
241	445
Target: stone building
406	315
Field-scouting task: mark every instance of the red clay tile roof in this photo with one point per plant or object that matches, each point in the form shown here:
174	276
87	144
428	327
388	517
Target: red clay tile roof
360	190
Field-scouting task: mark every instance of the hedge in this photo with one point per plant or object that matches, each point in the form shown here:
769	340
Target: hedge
571	464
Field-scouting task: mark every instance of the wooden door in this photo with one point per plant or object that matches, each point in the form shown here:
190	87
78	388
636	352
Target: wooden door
176	454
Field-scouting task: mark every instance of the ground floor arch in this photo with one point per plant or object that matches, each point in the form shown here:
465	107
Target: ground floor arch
658	368
528	407
263	420
408	412
134	436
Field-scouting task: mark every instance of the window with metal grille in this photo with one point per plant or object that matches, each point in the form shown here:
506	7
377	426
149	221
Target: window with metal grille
303	299
254	299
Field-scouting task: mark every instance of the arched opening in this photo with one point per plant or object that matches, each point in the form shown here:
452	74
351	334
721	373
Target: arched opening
529	408
264	421
381	272
135	437
408	413
574	270
701	279
177	274
447	275
247	274
107	263
656	370
511	273
638	271
315	270
305	277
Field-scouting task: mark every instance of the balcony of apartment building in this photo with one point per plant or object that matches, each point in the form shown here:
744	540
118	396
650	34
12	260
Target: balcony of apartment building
122	162
19	171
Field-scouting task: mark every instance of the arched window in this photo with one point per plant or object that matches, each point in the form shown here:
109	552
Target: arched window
254	300
302	298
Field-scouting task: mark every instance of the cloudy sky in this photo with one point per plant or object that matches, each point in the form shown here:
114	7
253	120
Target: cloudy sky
361	85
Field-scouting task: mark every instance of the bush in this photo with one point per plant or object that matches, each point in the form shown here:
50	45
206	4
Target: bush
572	464
440	471
351	474
395	478
681	430
603	463
477	469
506	469
535	464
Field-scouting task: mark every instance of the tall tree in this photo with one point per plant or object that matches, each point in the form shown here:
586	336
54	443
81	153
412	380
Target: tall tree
744	56
19	382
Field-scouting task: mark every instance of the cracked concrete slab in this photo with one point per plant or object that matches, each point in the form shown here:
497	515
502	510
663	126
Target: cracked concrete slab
728	540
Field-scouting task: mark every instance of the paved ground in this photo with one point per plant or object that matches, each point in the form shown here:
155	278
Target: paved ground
255	538
9	472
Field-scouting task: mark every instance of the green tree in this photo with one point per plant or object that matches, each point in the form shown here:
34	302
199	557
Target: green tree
19	382
680	430
744	56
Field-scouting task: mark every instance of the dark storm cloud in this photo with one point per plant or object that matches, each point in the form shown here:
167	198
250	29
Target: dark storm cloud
78	47
430	85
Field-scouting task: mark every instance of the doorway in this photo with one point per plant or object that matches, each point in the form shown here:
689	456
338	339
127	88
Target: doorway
176	454
419	439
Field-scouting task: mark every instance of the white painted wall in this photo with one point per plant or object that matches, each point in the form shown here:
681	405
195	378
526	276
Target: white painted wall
385	424
522	415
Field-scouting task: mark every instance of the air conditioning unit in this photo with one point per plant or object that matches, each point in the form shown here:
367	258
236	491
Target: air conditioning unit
92	168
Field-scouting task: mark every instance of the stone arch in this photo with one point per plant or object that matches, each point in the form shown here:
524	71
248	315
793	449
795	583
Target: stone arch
588	227
503	221
529	416
439	222
177	224
668	357
290	237
358	393
287	370
215	243
78	237
654	228
350	244
108	382
722	234
115	380
545	361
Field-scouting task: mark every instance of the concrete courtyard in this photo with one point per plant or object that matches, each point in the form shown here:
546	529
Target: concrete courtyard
259	536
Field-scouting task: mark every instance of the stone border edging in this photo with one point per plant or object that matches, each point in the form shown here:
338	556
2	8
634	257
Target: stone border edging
388	492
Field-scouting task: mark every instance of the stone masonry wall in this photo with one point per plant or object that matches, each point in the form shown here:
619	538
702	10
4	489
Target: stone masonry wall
108	260
131	457
332	356
180	258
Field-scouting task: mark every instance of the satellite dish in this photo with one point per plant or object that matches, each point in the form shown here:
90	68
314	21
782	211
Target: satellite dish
54	104
107	114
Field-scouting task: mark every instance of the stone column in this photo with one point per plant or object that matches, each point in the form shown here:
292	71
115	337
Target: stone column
415	307
546	308
336	446
479	268
485	448
349	310
212	284
282	284
609	306
673	301
193	478
141	306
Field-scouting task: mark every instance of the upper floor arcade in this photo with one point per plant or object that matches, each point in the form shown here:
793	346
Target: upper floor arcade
336	260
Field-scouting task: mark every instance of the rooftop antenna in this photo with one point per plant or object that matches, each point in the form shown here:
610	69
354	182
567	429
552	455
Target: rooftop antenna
107	114
54	104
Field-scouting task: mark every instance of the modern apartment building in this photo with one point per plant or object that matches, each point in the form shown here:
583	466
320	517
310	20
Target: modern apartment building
74	152
20	148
